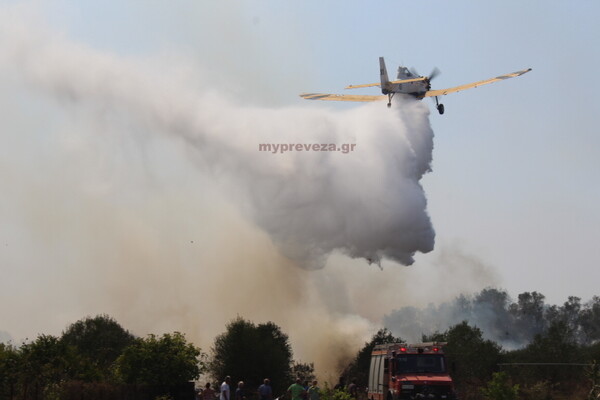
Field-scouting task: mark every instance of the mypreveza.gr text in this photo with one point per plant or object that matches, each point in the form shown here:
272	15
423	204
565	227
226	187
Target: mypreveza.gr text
281	148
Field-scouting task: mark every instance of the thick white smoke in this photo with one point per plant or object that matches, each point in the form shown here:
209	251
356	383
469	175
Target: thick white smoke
367	203
136	190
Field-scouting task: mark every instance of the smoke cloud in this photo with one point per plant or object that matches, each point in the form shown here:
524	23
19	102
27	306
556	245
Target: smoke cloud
139	190
368	204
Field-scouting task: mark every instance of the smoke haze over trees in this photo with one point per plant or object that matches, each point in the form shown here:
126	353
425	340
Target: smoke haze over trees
512	324
86	357
557	362
152	171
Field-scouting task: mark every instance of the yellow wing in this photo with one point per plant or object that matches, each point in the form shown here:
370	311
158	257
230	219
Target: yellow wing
441	92
379	84
341	97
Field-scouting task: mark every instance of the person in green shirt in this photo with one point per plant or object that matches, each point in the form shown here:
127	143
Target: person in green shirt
297	391
314	392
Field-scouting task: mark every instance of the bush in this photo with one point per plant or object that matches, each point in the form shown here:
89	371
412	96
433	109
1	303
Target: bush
499	388
332	394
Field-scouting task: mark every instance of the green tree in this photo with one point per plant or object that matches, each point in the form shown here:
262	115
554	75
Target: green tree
304	371
556	346
9	359
168	360
499	388
528	314
590	320
490	312
96	344
472	359
359	367
41	365
250	352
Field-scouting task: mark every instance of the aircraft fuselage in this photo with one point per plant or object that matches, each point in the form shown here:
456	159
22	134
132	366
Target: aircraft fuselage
416	89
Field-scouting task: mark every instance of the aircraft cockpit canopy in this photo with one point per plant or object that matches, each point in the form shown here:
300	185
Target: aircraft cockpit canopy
404	72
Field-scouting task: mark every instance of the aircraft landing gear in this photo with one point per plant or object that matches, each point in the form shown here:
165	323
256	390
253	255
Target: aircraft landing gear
390	95
440	107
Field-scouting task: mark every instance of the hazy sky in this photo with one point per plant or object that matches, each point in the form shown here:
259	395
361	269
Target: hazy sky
514	190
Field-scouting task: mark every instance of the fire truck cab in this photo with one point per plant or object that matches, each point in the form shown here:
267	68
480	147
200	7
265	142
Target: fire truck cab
401	371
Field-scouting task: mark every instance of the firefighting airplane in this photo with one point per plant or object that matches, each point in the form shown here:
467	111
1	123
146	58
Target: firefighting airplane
408	83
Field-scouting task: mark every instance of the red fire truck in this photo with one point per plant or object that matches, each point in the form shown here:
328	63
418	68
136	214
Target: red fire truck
402	371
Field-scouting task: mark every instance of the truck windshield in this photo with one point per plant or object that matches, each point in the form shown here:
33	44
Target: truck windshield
416	363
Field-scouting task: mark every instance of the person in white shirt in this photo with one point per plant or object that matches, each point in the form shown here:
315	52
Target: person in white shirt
225	391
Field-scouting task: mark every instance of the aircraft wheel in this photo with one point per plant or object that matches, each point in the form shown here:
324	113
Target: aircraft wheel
440	109
389	105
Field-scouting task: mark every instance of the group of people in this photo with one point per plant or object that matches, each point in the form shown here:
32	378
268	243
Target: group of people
352	388
264	391
296	391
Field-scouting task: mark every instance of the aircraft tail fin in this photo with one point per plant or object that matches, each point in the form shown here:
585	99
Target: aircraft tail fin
383	75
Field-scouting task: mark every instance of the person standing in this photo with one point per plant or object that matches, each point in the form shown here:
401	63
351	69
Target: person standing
265	392
225	390
208	393
314	393
353	389
296	390
340	385
239	392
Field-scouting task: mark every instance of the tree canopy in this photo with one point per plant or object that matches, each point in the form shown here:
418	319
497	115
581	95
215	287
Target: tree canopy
472	359
250	352
166	360
97	342
97	358
547	350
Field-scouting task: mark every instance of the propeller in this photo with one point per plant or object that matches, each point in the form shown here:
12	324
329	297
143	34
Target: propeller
435	72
